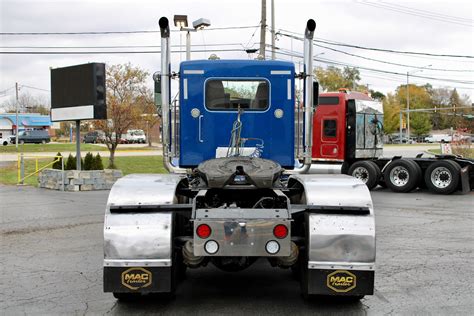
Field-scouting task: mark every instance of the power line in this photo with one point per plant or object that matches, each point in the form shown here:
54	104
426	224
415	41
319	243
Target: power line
114	46
34	88
418	13
334	62
372	48
116	32
113	52
388	62
435	13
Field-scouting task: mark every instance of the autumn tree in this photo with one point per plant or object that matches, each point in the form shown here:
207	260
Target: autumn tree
27	103
391	109
126	95
149	117
333	78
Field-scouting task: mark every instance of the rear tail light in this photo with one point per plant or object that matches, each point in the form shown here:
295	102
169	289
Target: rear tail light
203	231
280	231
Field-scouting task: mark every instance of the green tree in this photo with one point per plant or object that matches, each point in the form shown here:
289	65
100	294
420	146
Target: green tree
70	163
89	162
57	163
419	99
98	162
377	95
420	124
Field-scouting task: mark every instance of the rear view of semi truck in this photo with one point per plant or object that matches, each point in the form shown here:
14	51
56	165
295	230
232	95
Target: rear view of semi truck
236	191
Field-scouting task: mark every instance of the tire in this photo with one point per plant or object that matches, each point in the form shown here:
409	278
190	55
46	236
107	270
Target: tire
402	175
443	176
367	171
5	143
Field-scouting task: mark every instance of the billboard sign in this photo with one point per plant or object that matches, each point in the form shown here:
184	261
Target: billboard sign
78	93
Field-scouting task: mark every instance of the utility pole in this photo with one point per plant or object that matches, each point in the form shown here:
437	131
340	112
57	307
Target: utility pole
408	97
408	107
273	30
17	122
262	28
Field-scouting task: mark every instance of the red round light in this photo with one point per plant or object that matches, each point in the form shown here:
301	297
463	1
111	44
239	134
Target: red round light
203	231
280	231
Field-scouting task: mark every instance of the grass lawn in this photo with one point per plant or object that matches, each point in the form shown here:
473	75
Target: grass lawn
29	148
414	145
137	164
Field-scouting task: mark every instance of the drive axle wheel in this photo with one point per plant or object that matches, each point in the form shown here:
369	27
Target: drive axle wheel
402	175
367	171
442	177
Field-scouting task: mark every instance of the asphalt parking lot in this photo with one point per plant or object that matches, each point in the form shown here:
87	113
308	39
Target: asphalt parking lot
51	261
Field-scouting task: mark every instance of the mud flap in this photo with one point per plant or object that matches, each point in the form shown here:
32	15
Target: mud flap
139	280
339	282
465	185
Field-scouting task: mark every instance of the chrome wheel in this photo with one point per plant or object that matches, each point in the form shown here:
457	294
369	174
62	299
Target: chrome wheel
361	173
399	176
441	177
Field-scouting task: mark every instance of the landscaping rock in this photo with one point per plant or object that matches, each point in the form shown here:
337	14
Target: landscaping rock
74	180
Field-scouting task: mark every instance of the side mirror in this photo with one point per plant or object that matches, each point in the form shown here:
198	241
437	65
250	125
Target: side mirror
157	80
315	93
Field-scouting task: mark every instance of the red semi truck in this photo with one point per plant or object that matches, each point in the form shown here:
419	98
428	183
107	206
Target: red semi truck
348	134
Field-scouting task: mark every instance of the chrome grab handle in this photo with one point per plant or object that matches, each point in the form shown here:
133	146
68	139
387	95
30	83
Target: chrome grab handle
200	130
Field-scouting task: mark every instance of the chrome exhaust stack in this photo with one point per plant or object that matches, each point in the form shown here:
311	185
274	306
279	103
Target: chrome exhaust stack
165	95
308	97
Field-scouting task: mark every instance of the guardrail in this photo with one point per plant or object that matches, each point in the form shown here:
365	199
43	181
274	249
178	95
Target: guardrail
21	167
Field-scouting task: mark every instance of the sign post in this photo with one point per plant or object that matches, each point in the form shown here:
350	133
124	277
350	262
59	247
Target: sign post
78	145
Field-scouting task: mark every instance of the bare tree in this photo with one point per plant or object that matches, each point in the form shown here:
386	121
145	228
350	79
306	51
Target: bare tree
27	103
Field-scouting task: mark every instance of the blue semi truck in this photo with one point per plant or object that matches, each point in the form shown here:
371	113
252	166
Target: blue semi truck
236	191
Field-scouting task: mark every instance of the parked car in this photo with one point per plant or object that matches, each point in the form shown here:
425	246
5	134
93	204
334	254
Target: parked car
94	137
135	136
439	138
4	141
34	136
405	140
